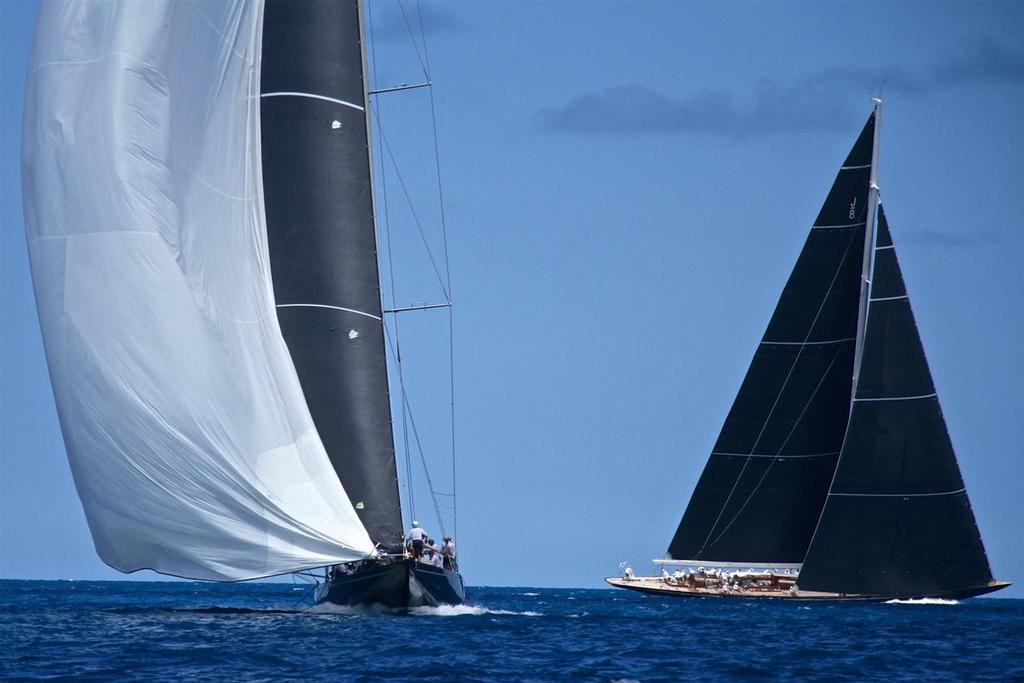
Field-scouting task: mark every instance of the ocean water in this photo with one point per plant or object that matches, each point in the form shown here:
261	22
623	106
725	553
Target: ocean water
102	630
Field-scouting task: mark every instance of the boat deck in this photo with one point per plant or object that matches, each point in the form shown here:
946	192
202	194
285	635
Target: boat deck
657	586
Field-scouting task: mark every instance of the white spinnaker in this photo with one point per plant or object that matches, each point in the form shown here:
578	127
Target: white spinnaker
190	442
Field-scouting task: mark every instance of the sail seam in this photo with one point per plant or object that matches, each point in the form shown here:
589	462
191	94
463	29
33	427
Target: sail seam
899	495
769	455
312	96
771	412
807	343
843	225
854	168
335	308
889	298
768	469
888	246
898	398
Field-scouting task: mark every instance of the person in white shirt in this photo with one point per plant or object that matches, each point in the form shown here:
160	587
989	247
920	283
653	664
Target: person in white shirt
414	540
430	554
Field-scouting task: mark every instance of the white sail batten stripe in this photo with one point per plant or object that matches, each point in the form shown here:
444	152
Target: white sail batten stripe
312	96
807	343
768	455
335	308
889	298
843	225
731	565
888	246
854	168
898	495
898	398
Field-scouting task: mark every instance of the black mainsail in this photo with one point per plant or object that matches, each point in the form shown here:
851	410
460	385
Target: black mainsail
761	492
897	520
323	252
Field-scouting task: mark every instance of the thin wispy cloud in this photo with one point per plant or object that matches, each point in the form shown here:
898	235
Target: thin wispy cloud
815	101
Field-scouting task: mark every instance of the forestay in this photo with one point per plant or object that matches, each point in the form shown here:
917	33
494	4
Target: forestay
190	442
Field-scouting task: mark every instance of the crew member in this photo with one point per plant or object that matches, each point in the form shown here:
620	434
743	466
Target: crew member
448	553
433	557
414	540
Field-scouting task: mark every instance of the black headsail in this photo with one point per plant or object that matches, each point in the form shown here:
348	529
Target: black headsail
762	490
323	252
897	520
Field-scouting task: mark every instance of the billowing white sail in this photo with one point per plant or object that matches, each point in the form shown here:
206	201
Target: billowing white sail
190	442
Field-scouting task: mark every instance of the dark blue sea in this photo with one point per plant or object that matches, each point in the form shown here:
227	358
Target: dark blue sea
104	630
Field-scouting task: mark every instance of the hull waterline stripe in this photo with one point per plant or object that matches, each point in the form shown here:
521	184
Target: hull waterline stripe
807	343
889	298
334	308
835	227
898	495
312	96
765	455
898	398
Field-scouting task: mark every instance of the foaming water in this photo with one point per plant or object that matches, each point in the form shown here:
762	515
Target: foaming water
468	610
173	631
923	601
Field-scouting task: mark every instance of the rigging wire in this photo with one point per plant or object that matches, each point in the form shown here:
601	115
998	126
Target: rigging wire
397	353
412	208
424	64
447	264
445	282
419	445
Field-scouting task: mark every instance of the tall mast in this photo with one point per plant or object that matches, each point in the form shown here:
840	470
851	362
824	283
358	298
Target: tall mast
869	239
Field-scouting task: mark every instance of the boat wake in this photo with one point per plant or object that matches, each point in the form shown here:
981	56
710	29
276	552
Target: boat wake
923	601
467	610
421	611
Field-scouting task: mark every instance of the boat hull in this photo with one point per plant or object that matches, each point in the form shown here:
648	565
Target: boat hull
655	586
398	584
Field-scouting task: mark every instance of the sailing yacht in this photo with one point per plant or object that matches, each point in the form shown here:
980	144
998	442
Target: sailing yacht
200	219
833	477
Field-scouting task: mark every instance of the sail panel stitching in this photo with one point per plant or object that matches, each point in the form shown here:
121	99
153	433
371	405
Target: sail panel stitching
898	398
769	455
312	96
836	227
335	308
807	343
898	495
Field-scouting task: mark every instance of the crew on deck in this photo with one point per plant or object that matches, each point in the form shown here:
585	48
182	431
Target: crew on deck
415	540
448	554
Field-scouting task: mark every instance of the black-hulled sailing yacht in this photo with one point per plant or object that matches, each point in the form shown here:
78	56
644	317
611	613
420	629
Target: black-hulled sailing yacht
199	215
833	476
323	253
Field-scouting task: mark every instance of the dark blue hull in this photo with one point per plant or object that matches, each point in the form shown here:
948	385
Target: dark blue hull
397	584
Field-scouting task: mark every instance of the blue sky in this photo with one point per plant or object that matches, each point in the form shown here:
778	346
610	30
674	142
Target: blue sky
627	188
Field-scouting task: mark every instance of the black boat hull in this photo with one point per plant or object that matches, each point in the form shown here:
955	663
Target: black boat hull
655	587
399	584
